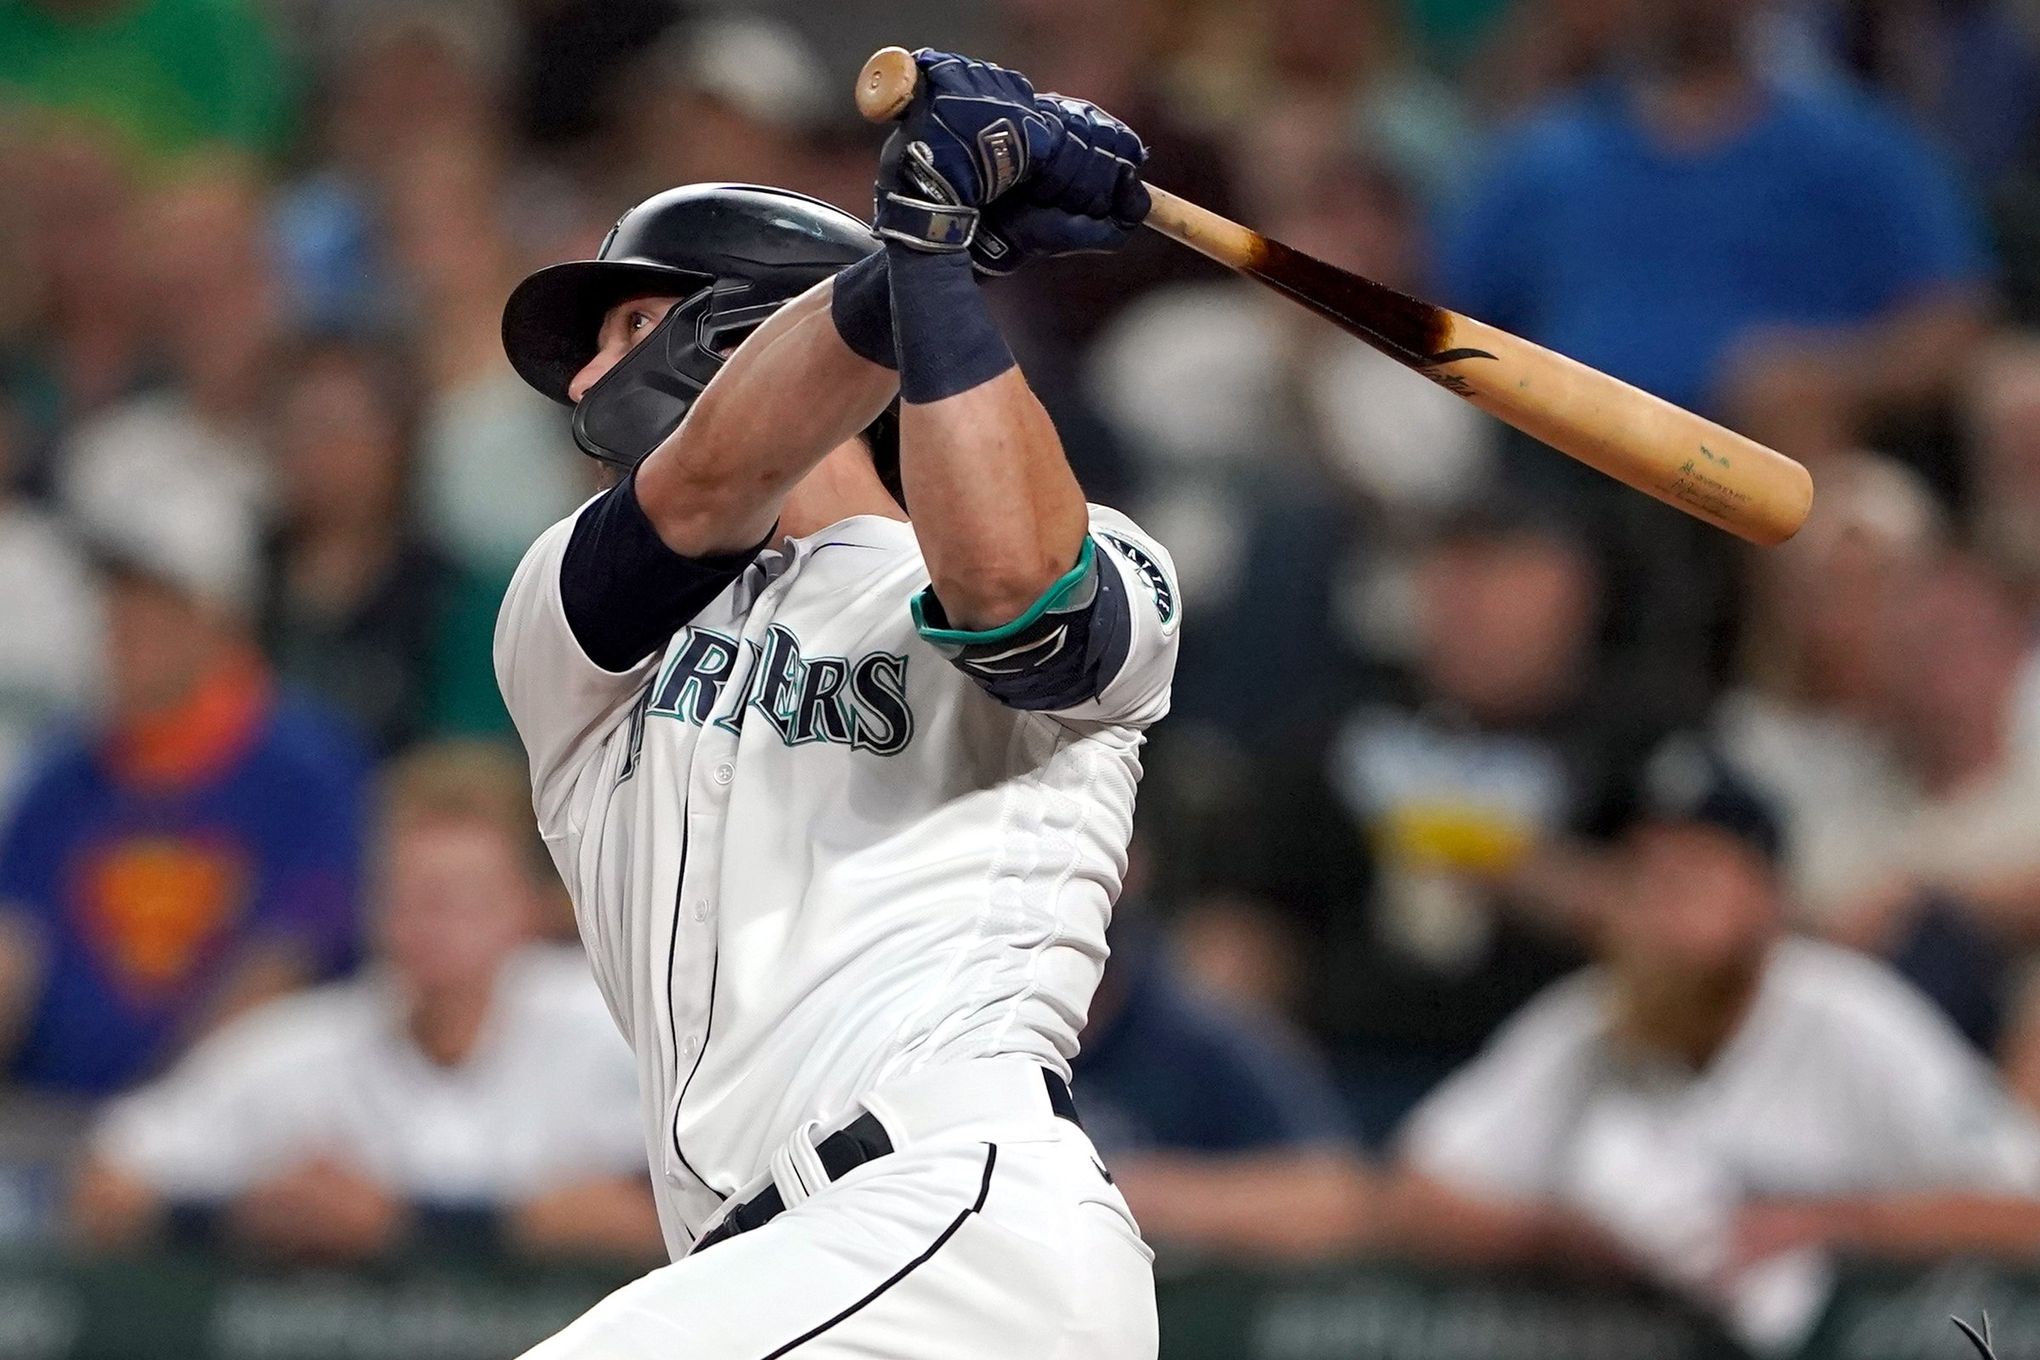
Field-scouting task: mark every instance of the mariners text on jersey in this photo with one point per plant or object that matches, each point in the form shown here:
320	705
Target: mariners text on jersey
816	839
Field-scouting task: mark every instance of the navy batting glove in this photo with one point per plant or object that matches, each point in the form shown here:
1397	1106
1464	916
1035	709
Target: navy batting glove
973	132
1085	197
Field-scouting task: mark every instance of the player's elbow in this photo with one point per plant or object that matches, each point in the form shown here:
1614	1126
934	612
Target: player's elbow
701	511
992	593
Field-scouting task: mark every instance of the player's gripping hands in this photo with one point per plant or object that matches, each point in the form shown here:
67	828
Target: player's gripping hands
981	163
1085	197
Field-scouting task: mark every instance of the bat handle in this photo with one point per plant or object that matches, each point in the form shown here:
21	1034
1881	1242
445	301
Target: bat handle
1203	230
887	83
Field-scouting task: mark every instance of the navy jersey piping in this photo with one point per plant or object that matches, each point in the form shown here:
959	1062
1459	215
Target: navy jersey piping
984	1190
673	1023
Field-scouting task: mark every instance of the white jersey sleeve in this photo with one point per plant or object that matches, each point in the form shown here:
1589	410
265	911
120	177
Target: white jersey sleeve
1100	644
564	705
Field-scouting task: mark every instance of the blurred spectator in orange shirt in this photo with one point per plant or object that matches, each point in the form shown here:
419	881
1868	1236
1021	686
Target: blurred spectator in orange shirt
193	852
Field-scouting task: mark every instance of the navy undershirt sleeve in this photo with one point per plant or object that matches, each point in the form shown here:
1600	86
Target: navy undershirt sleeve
625	592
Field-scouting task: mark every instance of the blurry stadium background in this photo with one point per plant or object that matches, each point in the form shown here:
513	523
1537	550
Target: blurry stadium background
297	1056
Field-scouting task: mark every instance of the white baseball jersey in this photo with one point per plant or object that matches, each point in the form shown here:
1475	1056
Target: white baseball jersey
546	1098
809	852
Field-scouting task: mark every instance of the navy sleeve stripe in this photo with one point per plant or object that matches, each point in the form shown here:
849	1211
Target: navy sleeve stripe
625	592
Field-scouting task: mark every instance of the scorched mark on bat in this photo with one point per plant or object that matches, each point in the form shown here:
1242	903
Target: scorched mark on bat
1411	331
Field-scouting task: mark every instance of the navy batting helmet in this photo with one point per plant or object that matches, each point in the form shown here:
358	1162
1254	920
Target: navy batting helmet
732	253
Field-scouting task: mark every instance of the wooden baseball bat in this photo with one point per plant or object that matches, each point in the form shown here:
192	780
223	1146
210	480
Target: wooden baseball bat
1686	461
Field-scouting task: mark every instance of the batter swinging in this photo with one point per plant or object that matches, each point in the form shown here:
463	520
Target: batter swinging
843	797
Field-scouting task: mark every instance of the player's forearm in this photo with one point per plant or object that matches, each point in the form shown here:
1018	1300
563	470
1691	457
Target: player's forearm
791	394
998	512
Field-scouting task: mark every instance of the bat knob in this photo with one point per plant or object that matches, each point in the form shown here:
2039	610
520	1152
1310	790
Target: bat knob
886	84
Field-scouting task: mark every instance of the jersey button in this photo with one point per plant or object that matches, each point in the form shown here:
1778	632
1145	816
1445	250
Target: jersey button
692	1046
701	908
725	772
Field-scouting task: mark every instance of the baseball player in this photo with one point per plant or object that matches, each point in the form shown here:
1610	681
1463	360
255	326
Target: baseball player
843	796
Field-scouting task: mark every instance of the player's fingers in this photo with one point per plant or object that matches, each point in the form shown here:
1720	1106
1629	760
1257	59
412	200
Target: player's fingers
1092	187
1122	141
1052	180
1130	200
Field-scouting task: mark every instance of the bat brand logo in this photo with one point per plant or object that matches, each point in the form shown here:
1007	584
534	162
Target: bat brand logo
1451	382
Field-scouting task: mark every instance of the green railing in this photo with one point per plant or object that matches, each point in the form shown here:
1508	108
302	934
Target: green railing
197	1308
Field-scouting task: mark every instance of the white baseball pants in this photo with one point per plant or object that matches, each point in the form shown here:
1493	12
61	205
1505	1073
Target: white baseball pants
990	1232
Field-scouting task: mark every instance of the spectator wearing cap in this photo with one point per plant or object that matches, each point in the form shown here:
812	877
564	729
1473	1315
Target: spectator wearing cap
470	1081
1225	1129
1719	1105
193	850
1797	259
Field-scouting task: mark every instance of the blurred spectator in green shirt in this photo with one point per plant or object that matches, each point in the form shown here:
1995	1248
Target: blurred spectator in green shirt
172	76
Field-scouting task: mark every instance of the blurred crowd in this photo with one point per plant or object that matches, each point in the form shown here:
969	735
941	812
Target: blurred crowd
1526	873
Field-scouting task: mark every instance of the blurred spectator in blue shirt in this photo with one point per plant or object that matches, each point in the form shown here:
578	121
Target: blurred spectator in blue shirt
1797	260
1966	69
1223	1129
194	854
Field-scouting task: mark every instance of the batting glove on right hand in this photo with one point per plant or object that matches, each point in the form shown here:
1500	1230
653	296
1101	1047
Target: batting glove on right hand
972	133
1085	198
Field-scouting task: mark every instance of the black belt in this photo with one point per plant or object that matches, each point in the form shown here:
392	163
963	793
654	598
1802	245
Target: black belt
863	1140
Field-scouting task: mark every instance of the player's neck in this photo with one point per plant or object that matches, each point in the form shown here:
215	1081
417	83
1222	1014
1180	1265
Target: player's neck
841	485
